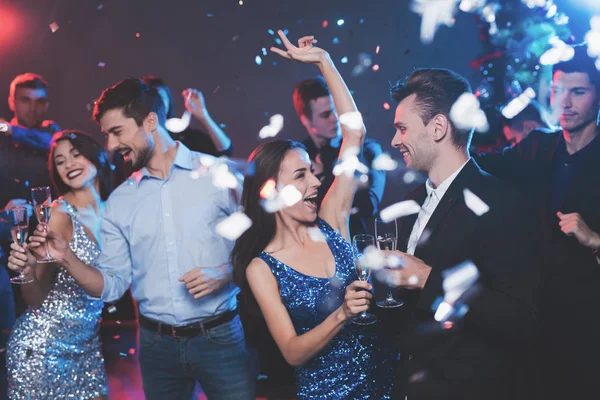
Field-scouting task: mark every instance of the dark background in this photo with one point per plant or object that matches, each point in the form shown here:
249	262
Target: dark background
212	45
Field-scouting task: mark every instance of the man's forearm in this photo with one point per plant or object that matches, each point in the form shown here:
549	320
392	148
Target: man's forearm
89	278
220	140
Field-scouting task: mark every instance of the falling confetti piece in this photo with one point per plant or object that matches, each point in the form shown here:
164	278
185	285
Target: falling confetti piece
271	32
177	125
278	41
352	120
386	106
274	127
443	311
474	203
384	162
433	15
3	127
325	24
209	15
132	351
350	164
518	104
559	52
399	210
373	258
258	60
413	280
344	60
241	2
409	177
335	40
287	197
376	67
112	309
264	51
117	337
340	22
217	89
316	235
233	226
467	114
122	354
377	50
137	35
54	27
100	7
268	189
102	64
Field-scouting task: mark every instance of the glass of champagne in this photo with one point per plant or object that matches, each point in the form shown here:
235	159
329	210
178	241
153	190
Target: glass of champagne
42	203
387	236
19	220
360	244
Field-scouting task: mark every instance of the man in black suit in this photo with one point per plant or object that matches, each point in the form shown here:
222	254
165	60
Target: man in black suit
482	356
561	171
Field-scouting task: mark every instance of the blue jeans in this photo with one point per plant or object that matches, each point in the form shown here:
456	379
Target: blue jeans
218	361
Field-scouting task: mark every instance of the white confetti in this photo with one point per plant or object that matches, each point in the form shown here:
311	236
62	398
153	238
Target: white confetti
413	280
474	203
458	279
233	226
316	235
443	311
518	104
399	210
274	127
467	114
290	195
54	27
434	13
409	177
223	178
394	261
3	127
349	163
559	52
471	5
352	120
384	162
373	258
177	125
112	309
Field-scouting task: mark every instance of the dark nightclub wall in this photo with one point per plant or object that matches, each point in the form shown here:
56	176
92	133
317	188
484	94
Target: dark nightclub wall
212	45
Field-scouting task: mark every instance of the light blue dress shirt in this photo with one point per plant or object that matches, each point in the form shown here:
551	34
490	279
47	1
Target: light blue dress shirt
154	231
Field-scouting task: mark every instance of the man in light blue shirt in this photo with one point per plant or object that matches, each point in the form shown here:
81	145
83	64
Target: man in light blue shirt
158	235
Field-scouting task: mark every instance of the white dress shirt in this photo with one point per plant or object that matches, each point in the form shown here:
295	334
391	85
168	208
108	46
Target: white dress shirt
434	195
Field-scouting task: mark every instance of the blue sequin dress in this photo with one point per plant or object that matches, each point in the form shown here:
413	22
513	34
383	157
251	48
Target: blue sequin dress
359	362
54	352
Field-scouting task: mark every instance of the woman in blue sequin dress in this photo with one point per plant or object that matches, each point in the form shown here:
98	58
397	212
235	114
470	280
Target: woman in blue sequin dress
296	263
54	351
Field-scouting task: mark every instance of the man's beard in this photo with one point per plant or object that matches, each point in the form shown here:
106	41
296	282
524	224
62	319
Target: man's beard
141	160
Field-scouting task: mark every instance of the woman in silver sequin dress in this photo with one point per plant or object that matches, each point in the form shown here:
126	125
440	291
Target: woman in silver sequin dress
54	351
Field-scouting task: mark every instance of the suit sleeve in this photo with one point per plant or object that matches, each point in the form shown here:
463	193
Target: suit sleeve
367	201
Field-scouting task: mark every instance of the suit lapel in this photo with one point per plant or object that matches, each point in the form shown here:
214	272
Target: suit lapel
406	224
451	198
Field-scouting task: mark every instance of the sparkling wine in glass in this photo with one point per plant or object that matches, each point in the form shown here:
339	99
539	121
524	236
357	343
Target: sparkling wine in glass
387	236
42	203
19	220
360	244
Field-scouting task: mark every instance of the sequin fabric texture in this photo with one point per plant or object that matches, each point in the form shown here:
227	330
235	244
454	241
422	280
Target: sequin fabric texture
359	362
55	352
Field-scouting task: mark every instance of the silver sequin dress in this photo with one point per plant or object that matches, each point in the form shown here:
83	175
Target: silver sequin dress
54	352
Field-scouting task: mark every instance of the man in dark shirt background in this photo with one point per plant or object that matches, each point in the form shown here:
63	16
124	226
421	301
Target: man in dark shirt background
315	108
561	170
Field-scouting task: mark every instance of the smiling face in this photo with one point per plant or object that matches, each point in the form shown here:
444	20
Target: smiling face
135	143
74	169
295	170
412	137
574	100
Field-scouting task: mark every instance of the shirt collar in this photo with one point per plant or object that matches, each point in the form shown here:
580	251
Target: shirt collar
183	159
439	191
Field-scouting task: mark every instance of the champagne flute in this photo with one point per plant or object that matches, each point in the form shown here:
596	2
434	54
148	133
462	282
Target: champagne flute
42	203
360	244
387	236
19	220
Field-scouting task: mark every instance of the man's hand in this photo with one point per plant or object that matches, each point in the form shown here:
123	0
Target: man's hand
195	104
203	281
57	245
21	260
406	270
18	203
573	225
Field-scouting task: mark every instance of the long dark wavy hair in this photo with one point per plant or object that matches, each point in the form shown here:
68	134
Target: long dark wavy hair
92	151
267	160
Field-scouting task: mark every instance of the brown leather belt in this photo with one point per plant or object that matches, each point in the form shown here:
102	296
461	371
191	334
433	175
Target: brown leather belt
195	329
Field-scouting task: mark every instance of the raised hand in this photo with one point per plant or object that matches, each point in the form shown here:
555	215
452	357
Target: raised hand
305	52
194	103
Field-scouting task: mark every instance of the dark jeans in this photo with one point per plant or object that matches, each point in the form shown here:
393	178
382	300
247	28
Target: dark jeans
218	361
7	320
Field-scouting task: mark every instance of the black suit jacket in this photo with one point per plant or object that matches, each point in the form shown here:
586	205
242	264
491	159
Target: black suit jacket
571	274
482	356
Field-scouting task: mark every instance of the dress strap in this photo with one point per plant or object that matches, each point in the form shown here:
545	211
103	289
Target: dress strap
69	208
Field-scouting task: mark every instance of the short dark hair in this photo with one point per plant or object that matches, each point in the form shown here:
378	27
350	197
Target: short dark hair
307	90
581	62
156	83
136	98
436	90
92	151
28	80
533	112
